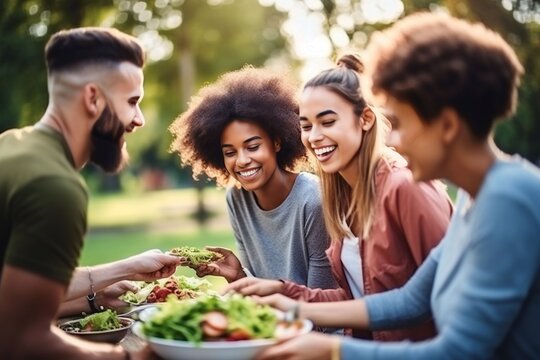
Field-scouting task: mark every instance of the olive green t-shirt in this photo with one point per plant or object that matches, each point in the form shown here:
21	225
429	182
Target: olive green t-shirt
43	203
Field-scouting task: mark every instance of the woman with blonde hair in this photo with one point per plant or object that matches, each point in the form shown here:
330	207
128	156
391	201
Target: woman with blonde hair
381	223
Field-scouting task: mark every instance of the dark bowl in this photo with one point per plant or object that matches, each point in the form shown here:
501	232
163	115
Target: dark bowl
109	336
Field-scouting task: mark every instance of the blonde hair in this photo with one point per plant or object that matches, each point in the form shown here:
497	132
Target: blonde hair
344	206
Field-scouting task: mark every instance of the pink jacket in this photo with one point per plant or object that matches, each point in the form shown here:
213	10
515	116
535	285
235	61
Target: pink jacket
410	220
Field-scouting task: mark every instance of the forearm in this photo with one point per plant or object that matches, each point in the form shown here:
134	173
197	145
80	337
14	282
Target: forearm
348	314
408	305
73	307
99	277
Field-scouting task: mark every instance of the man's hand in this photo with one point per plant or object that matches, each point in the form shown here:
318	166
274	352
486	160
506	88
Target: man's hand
108	297
145	353
152	265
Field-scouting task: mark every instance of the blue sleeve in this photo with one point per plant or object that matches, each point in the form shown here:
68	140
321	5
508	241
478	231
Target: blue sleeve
408	305
503	261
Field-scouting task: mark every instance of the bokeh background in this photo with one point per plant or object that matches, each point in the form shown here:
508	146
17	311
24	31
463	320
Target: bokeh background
155	203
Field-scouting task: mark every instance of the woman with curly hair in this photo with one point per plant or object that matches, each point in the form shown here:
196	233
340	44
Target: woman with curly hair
382	224
244	129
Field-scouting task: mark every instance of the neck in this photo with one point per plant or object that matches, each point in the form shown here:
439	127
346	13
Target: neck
350	172
276	190
73	131
471	165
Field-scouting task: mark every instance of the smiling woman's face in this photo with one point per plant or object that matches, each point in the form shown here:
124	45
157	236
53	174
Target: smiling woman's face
331	130
249	154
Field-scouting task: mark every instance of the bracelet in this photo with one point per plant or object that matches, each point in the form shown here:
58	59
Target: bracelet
336	349
91	297
92	291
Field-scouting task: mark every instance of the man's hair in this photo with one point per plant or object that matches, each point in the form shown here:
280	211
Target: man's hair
433	61
90	45
249	94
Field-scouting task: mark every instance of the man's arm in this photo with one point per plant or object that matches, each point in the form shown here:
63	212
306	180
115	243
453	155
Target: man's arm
28	305
147	266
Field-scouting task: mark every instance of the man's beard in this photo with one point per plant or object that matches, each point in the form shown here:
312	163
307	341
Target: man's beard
107	141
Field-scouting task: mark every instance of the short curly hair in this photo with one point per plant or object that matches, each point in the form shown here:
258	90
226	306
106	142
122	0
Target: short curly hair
433	61
250	94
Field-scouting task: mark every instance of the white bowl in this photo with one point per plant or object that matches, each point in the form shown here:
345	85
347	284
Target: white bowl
214	350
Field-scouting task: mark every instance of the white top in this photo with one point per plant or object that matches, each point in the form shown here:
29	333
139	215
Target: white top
352	265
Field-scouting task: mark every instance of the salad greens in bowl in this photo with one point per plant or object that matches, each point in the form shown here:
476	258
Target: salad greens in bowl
105	326
211	327
183	287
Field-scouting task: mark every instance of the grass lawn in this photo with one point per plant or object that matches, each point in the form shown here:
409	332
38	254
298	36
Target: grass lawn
100	248
150	209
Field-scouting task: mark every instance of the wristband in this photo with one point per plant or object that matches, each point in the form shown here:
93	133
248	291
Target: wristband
91	298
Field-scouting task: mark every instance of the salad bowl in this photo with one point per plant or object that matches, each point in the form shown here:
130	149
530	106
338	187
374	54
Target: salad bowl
112	336
208	350
205	349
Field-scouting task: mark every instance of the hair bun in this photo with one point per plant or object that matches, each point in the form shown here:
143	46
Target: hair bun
351	61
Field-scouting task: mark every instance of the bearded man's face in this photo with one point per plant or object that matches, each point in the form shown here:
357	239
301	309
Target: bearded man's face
107	142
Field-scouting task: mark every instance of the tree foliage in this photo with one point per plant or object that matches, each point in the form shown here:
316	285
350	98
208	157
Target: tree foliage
192	42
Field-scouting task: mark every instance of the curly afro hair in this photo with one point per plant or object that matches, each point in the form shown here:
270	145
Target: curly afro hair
249	94
433	61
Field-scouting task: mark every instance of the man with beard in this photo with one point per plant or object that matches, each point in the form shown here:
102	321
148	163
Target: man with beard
95	84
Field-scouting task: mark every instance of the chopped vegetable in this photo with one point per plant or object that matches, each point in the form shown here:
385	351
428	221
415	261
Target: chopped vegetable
157	291
195	256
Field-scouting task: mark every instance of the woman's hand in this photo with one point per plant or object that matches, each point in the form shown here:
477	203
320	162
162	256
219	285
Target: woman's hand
278	301
312	346
228	266
255	286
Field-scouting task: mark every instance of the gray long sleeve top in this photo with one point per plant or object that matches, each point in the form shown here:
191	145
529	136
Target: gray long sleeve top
287	242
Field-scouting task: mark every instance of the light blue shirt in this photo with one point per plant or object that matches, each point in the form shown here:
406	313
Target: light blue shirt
481	284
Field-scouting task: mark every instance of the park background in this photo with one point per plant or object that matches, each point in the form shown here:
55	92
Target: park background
155	203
